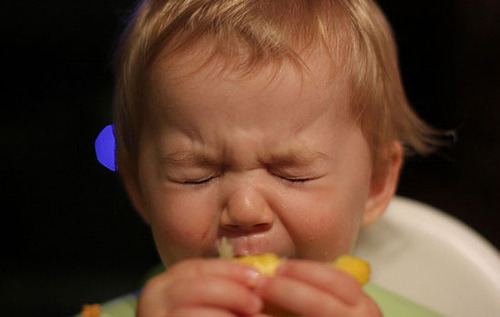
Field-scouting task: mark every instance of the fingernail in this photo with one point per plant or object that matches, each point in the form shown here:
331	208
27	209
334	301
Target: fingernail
260	283
256	304
252	277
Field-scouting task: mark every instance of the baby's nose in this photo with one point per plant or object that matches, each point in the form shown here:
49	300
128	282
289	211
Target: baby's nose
246	210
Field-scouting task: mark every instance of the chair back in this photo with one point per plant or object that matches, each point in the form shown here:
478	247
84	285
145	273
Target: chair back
427	256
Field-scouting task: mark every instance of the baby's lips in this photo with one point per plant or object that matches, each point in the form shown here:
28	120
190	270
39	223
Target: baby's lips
250	245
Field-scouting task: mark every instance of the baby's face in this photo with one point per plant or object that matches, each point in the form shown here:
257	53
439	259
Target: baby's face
273	163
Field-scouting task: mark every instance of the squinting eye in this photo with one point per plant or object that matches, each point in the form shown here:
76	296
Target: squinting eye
198	182
290	178
296	180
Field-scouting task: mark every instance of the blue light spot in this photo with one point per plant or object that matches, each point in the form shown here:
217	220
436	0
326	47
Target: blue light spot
105	147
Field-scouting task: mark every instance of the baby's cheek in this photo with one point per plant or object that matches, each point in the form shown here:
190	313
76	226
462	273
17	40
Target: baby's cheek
176	245
180	233
326	234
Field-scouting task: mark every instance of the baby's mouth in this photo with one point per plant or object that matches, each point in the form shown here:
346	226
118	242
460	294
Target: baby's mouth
242	246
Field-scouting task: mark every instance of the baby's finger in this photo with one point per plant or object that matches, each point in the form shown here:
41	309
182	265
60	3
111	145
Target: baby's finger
201	311
217	292
324	277
296	297
209	283
159	299
192	269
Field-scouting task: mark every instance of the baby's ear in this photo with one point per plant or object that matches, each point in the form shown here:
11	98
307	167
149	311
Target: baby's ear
134	192
382	189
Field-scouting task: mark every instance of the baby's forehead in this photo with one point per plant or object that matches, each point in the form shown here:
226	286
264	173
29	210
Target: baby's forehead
185	84
209	59
189	75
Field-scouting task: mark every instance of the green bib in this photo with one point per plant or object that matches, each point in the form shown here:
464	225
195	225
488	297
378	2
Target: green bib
390	303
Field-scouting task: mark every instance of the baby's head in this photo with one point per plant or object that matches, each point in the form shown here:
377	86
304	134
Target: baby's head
279	124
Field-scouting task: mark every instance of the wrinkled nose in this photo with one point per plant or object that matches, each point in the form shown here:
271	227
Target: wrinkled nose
246	210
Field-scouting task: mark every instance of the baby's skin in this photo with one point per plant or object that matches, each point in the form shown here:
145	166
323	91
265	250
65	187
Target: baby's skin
271	160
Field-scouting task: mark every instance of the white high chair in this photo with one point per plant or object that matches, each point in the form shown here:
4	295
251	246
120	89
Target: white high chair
427	256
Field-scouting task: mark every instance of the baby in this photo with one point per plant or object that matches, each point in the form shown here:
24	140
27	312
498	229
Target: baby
280	125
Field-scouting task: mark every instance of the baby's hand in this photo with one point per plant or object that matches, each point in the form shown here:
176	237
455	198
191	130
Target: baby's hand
201	287
309	288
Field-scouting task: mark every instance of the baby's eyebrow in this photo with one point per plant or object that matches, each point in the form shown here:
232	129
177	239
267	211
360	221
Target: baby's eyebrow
296	157
287	157
189	158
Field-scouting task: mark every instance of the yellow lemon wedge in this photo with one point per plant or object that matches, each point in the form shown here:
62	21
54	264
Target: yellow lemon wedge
356	267
268	263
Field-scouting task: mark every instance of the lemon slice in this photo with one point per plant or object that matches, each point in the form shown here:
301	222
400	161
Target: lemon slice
268	264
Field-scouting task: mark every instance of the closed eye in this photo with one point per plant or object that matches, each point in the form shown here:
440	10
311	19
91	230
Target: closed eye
198	182
296	180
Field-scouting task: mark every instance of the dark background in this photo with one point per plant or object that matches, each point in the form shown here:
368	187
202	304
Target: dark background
70	235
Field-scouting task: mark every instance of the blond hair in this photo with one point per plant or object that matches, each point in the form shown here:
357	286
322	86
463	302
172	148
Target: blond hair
354	32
